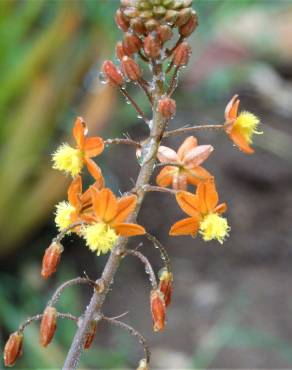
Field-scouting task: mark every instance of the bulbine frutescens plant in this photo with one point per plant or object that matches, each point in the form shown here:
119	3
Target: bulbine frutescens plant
105	222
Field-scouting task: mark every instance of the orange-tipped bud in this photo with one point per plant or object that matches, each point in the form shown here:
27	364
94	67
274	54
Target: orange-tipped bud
120	52
51	259
131	43
48	326
131	69
158	310
188	28
165	286
181	54
13	348
151	25
90	335
152	46
112	73
143	365
164	33
167	107
121	22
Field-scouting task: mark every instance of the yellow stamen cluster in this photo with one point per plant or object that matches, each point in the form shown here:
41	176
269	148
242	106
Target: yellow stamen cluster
214	226
246	124
64	211
99	237
68	159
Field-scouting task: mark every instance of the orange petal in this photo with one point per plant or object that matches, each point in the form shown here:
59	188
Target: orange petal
221	208
207	195
129	229
74	191
94	170
126	205
231	109
105	204
187	226
188	202
86	196
79	131
197	155
240	142
166	155
189	143
164	178
93	146
197	174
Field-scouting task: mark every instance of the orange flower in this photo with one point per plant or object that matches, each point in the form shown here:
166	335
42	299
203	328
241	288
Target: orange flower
188	159
79	204
240	127
108	220
71	160
204	213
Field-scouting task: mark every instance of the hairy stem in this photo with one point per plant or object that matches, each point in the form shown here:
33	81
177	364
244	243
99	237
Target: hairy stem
185	130
149	154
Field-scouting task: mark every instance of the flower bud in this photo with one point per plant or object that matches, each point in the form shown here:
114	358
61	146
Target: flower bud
131	69
90	335
158	309
13	348
143	365
51	259
171	16
138	26
152	46
165	286
112	73
164	33
183	17
120	53
131	43
188	28
151	25
48	326
166	107
181	54
121	22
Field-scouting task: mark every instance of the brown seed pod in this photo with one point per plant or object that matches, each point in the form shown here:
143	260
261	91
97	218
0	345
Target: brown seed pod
158	310
51	259
131	43
167	107
13	348
131	69
112	73
188	28
48	326
181	54
152	46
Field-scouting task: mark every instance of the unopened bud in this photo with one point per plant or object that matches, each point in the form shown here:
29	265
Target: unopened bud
120	53
183	17
112	73
152	46
48	326
90	335
13	348
131	43
158	309
164	33
131	69
151	25
188	28
165	285
138	26
143	365
171	16
51	259
121	22
166	107
181	54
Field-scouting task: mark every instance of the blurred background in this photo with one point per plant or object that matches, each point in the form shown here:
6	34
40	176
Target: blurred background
232	305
